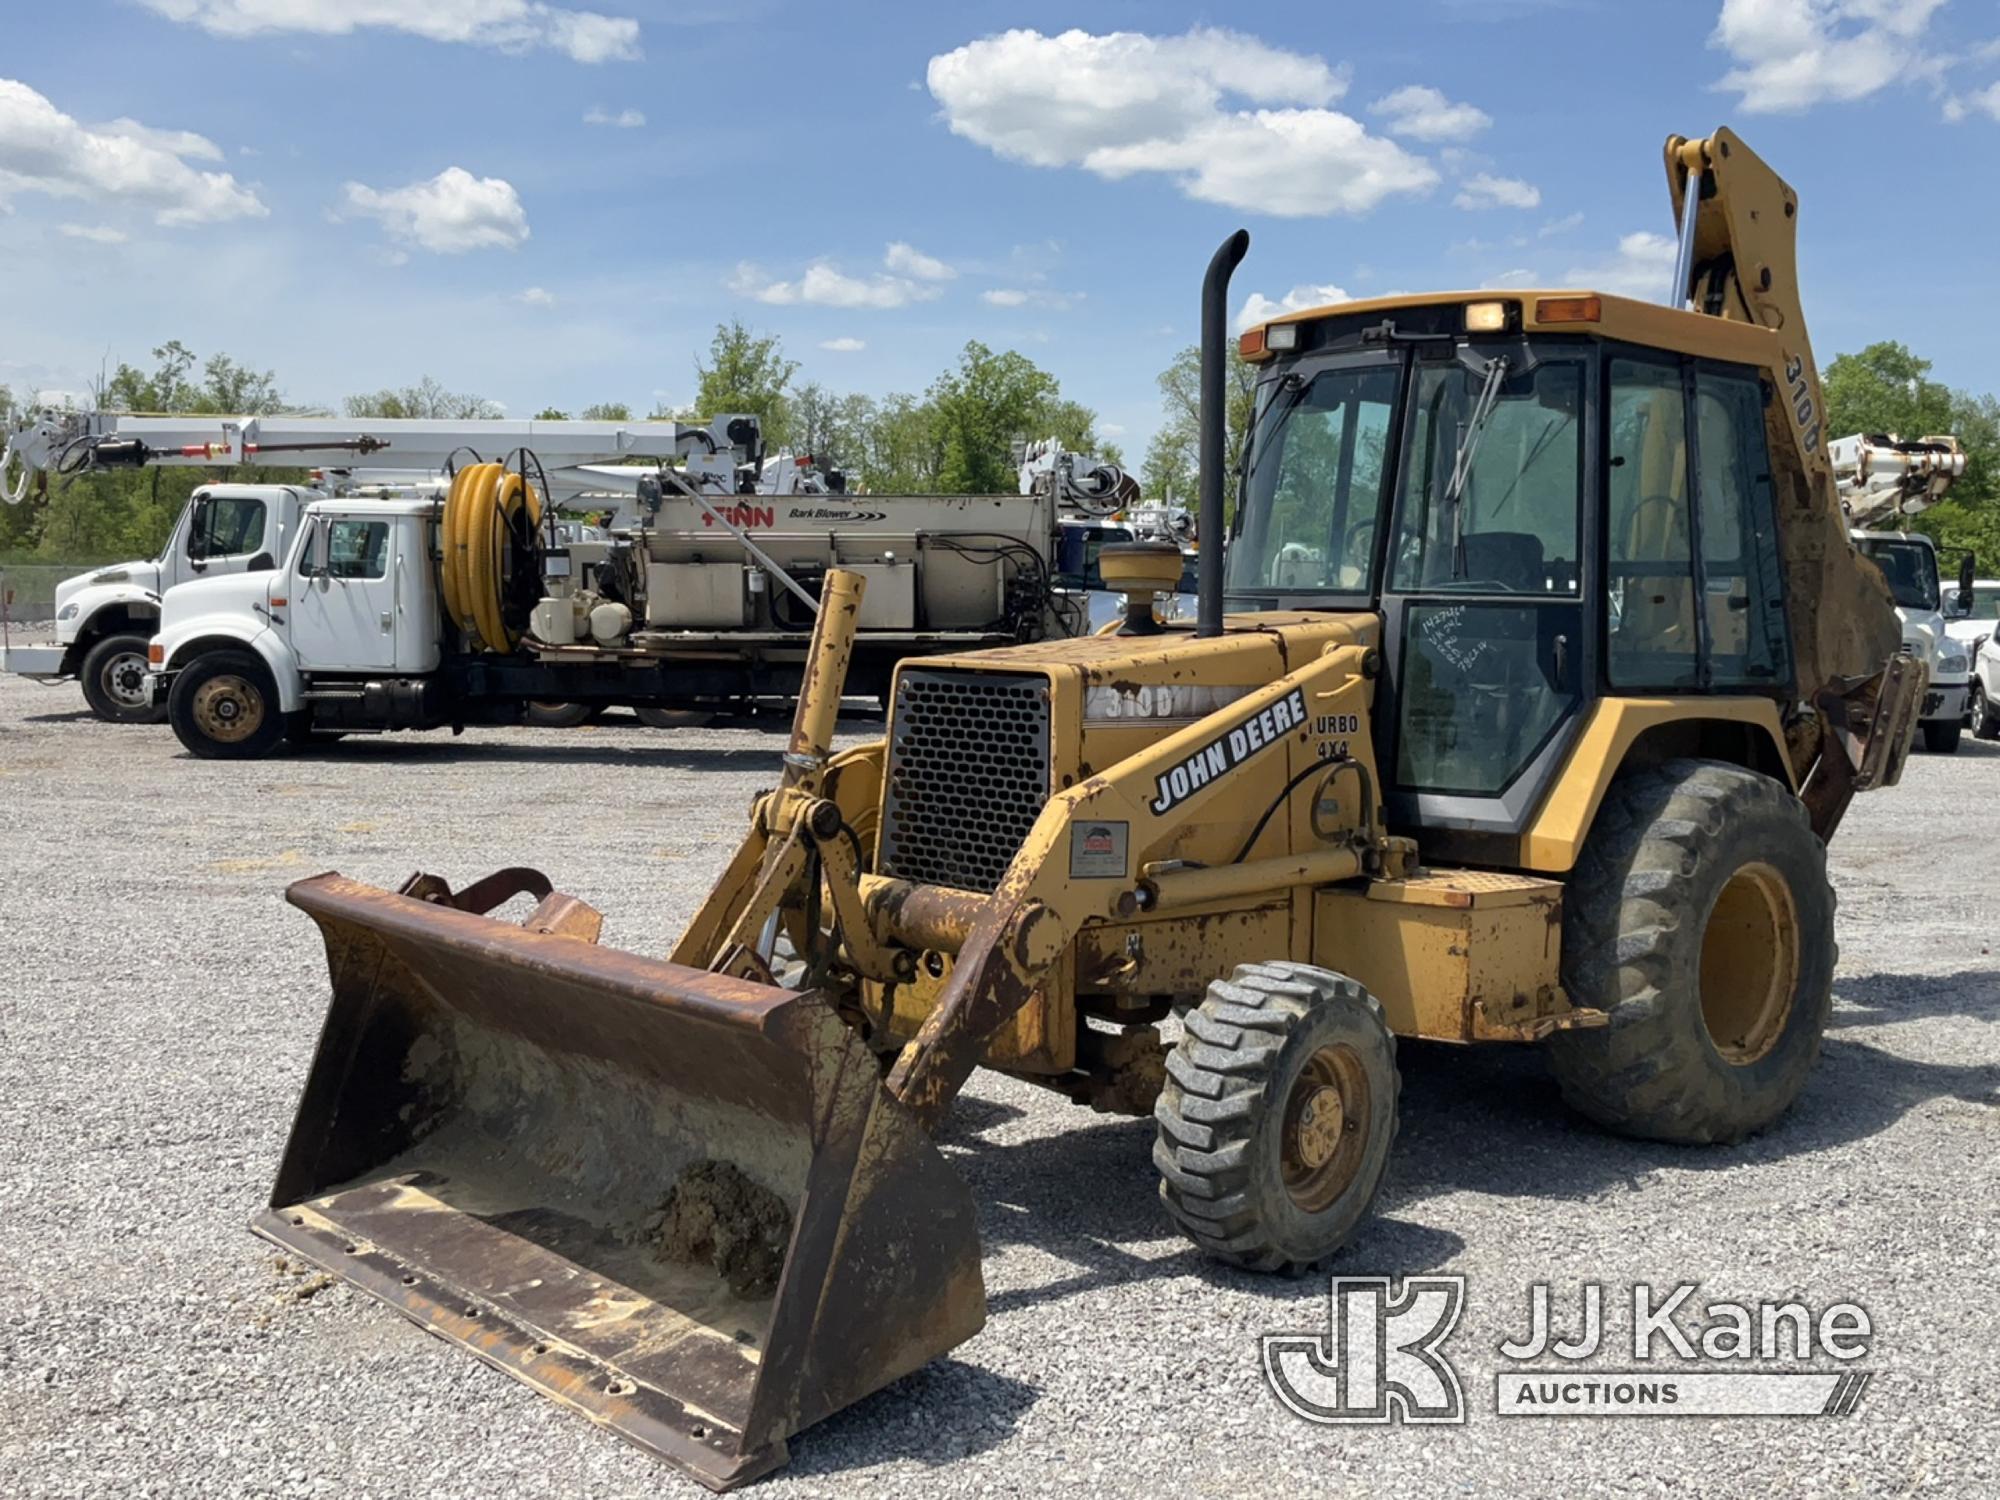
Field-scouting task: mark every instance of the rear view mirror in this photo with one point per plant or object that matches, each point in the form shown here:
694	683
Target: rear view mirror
197	546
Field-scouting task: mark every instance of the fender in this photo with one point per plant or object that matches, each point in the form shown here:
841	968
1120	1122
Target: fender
93	599
212	632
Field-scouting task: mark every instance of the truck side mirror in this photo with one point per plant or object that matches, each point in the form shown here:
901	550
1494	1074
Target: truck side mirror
198	532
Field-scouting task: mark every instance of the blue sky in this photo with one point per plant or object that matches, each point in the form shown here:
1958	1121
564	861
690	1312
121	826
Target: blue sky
555	202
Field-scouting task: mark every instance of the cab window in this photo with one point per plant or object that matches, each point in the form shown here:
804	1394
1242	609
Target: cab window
357	549
1742	575
1493	486
1650	531
226	526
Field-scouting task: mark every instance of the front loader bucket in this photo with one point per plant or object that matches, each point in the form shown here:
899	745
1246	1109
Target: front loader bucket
678	1202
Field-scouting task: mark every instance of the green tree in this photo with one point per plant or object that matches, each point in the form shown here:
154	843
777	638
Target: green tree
224	386
983	408
746	373
833	429
607	411
1174	453
551	414
428	398
903	447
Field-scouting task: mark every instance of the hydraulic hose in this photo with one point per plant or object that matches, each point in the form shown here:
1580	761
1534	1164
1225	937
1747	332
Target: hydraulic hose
487	505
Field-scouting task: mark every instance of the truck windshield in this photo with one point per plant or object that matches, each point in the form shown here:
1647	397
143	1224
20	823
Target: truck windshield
1318	470
1909	567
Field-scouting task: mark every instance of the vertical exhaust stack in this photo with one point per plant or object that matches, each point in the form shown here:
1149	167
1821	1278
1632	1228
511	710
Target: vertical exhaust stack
1215	422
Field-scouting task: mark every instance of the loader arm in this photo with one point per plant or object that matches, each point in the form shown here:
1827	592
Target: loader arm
1738	260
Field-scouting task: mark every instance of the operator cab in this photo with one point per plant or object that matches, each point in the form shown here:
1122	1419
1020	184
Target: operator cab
1542	514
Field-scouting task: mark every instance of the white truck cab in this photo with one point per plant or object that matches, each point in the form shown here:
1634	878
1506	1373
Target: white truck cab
238	659
1908	560
104	617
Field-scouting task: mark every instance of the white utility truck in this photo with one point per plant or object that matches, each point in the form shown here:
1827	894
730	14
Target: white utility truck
420	614
1883	480
103	618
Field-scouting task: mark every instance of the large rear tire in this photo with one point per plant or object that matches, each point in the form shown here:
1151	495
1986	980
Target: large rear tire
114	681
557	715
1277	1116
224	706
1700	920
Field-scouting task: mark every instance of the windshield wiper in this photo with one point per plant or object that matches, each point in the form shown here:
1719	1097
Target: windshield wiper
1468	449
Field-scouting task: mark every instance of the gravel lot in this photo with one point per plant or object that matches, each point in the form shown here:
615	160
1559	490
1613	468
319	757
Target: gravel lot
158	1003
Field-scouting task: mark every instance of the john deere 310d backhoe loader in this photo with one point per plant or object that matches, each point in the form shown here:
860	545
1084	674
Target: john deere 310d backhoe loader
1547	673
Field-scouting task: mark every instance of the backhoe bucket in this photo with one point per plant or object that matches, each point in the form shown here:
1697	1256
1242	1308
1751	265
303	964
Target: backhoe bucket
678	1202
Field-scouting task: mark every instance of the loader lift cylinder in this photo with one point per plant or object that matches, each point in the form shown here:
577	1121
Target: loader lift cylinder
1215	423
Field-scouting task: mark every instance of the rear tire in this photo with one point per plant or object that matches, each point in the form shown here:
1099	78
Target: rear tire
224	706
114	681
674	718
1985	716
1701	921
1940	737
557	715
1277	1116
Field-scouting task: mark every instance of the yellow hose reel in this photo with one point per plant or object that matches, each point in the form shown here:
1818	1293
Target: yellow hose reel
487	504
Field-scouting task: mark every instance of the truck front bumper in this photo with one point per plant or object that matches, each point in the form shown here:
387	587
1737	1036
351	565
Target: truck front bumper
33	661
1945	701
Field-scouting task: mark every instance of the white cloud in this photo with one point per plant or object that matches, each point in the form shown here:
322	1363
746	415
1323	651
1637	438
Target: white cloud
1559	226
509	25
536	296
1986	101
1260	308
1015	296
1793	54
1643	267
1484	190
625	119
43	150
1511	279
450	213
97	234
1424	114
843	345
907	259
826	285
1229	118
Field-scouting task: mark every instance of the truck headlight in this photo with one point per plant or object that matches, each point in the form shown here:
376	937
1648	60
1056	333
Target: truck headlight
68	612
1952	664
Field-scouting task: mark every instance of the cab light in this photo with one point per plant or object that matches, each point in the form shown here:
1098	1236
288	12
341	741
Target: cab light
156	654
1281	336
1485	317
1251	345
1570	310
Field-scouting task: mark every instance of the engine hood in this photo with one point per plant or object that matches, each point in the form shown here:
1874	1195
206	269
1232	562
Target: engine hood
143	576
231	595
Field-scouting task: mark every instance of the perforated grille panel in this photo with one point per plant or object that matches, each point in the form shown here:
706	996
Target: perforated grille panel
968	774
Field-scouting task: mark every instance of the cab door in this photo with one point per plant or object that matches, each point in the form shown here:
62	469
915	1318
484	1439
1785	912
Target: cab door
224	534
343	609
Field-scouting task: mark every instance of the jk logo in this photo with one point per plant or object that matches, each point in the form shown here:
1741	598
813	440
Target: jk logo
1378	1359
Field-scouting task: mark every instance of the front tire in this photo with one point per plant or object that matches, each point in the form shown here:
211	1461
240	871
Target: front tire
224	706
114	681
1277	1116
1985	716
557	715
1700	920
1941	736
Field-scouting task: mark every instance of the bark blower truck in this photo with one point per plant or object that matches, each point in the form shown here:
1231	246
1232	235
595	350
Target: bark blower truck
1546	673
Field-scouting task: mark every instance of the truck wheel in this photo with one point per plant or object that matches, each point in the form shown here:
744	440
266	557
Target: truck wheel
114	681
674	718
224	706
1985	717
1941	737
556	715
1701	921
1277	1116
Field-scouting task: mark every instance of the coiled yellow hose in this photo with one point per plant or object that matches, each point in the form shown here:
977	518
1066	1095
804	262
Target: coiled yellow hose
484	500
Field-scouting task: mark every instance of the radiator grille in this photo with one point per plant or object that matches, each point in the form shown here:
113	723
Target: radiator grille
968	774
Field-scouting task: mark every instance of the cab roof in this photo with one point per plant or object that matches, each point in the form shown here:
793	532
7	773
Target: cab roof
1624	318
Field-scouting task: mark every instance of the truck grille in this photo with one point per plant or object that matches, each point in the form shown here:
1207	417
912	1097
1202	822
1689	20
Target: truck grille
968	774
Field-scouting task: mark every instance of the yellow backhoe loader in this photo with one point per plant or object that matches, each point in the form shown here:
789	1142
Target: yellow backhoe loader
1548	670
